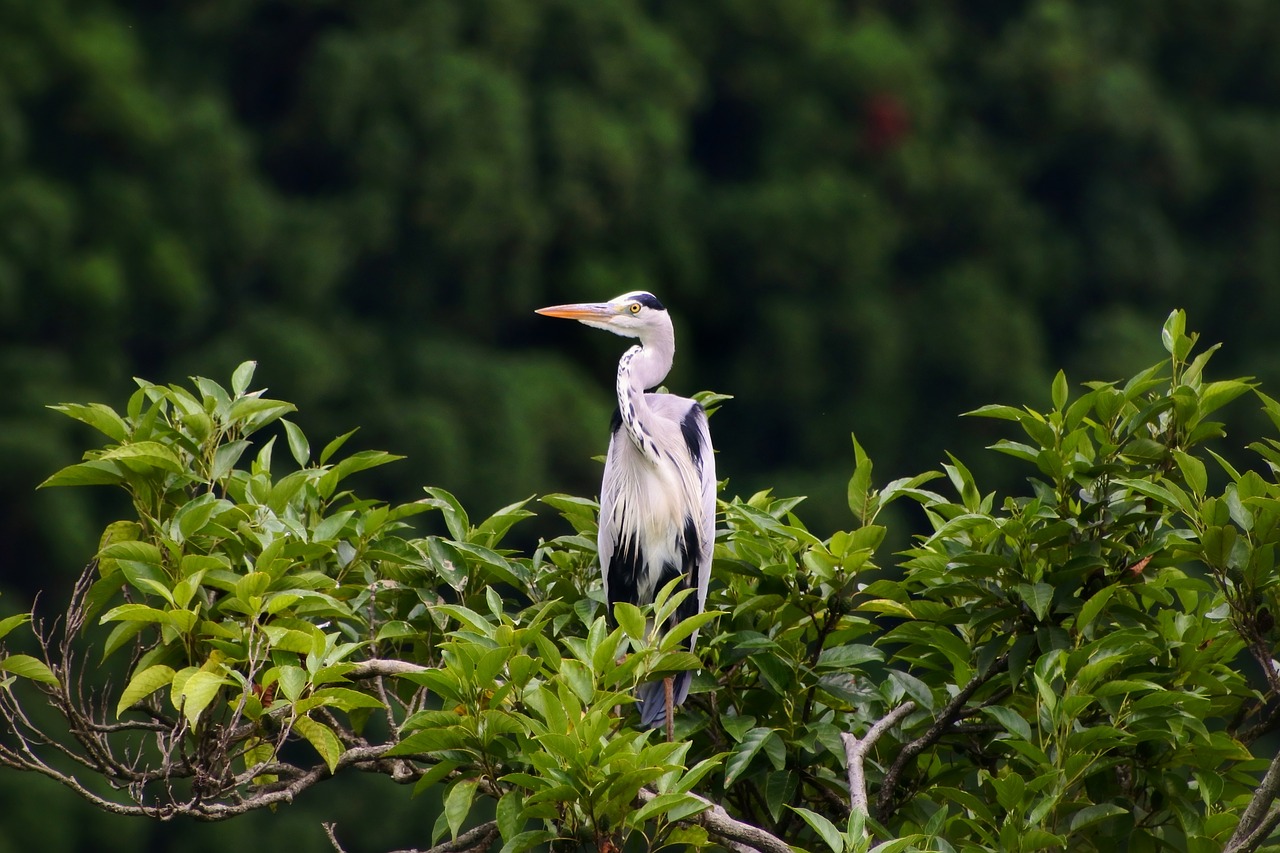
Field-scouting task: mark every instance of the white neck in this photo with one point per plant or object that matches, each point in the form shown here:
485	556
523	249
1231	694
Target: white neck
641	368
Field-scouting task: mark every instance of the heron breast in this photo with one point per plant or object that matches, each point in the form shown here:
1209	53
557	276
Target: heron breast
654	509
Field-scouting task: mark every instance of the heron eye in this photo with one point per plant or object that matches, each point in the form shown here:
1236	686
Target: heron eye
635	307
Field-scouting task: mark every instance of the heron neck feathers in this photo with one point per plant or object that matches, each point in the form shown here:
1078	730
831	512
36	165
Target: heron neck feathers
643	367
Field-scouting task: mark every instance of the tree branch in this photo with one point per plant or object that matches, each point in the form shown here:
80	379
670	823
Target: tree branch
376	667
885	805
732	833
855	753
1262	814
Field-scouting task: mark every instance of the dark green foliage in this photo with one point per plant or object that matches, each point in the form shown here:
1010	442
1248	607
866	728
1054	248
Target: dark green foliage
872	215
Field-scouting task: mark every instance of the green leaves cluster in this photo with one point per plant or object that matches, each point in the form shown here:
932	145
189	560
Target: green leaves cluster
250	600
1081	666
227	572
1112	624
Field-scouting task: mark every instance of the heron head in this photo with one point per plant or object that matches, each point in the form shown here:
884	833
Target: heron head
632	315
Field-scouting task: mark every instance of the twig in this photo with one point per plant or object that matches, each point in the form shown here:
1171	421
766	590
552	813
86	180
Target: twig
1268	722
474	840
855	753
330	829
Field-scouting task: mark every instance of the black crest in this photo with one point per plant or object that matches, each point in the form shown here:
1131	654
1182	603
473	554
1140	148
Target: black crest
648	300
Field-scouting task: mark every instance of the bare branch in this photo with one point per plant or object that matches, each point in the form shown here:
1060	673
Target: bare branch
330	829
377	667
855	753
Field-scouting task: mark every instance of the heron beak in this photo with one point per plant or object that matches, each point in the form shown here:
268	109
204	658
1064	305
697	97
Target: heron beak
598	311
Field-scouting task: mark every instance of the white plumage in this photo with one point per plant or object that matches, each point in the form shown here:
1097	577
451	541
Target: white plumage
658	497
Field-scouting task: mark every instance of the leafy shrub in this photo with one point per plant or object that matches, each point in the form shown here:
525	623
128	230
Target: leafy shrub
1079	667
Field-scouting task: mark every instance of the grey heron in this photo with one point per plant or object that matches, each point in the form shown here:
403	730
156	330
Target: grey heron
658	497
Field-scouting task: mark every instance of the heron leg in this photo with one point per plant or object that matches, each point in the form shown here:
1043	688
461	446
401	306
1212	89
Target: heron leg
668	686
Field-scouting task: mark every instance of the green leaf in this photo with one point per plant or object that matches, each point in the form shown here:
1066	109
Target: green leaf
345	698
1174	330
845	657
9	623
779	787
510	814
1156	492
298	445
492	529
1037	596
740	758
457	803
455	517
198	692
133	613
1010	719
361	461
331	526
120	634
631	619
911	686
824	827
150	453
1060	391
322	739
25	666
335	445
102	418
255	412
142	552
711	401
92	473
395	630
1003	413
226	457
685	627
142	685
671	806
292	681
861	501
1090	815
1193	471
242	376
528	840
1215	395
1093	606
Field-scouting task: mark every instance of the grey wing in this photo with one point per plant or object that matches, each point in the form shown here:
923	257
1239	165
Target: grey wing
707	523
608	534
695	434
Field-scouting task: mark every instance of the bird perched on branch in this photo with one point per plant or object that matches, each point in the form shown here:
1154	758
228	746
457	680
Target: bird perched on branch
658	498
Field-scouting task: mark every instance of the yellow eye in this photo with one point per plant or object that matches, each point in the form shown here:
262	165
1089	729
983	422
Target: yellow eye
635	307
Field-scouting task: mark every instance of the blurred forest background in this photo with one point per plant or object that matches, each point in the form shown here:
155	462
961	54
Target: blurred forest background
864	216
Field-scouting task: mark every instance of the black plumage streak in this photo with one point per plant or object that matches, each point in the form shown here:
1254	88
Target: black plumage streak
625	570
689	429
651	704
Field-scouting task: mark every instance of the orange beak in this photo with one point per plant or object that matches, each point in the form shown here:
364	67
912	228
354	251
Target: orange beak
580	311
